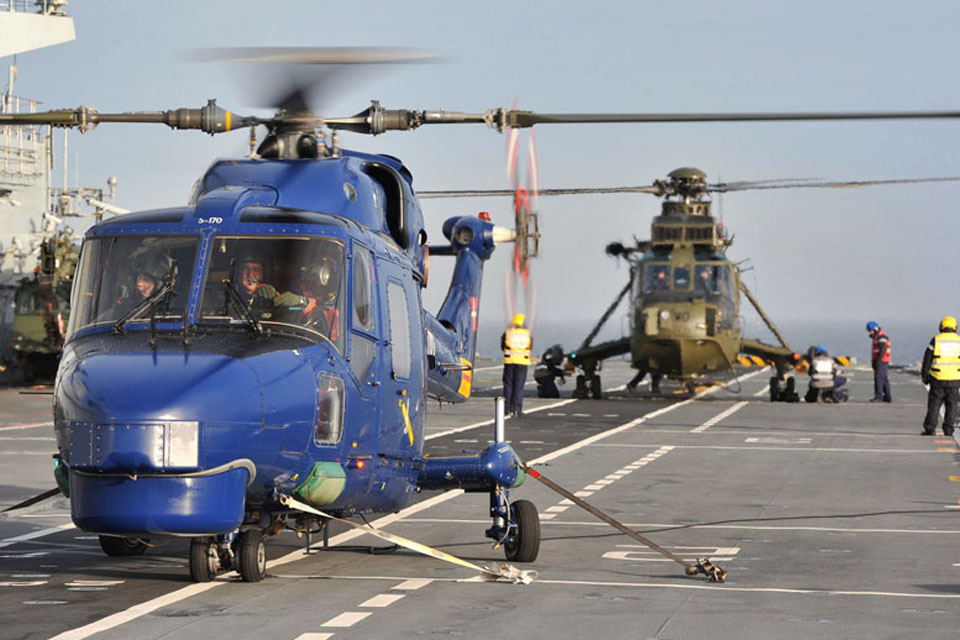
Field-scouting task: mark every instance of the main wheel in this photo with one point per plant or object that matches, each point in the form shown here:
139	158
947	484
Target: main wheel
595	391
204	559
253	556
119	547
524	544
774	389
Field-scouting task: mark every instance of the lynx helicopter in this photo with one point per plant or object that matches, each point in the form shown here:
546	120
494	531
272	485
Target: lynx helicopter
684	293
191	412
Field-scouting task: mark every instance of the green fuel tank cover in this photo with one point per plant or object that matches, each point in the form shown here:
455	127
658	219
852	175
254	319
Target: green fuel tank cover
324	484
62	476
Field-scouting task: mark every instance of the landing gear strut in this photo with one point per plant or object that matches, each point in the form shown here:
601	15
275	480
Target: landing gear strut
516	525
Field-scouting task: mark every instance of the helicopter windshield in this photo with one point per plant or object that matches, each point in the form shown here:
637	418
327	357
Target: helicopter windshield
291	281
667	282
656	278
116	274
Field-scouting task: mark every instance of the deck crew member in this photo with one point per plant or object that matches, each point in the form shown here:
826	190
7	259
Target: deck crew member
825	378
941	370
880	359
516	344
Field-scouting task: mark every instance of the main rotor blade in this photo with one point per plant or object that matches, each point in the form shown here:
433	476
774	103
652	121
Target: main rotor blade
516	118
480	193
209	119
726	187
314	55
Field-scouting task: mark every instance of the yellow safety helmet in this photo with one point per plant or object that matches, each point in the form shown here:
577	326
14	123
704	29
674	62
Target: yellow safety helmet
948	323
520	318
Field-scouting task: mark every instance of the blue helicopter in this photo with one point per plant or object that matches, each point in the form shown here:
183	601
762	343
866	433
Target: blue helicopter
268	341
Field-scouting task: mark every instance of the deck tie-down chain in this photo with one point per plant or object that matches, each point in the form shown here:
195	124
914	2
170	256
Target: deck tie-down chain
703	565
496	572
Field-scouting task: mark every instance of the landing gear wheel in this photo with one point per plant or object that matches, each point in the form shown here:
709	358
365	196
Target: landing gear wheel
524	544
253	556
204	559
581	391
595	392
119	547
774	389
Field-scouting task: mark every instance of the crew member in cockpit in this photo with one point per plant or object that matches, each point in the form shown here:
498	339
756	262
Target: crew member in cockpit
705	282
148	278
261	298
321	282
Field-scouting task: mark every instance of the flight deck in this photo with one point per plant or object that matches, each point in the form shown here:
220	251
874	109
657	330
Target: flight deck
832	521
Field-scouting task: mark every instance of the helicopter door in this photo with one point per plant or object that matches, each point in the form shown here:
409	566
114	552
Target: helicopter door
404	385
364	328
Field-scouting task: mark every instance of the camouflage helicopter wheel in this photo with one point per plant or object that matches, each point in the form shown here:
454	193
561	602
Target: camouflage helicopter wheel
524	542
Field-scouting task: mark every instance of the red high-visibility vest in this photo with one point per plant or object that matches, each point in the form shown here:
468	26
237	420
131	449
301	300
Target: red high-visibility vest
876	346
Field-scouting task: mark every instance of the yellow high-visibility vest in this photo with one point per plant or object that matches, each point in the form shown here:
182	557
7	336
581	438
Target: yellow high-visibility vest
946	357
518	343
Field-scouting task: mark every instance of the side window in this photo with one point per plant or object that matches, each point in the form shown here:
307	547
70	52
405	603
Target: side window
363	311
399	330
363	350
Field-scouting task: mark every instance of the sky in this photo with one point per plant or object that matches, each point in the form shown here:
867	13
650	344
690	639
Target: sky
843	256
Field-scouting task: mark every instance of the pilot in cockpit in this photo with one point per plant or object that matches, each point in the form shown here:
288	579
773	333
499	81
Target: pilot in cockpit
321	282
262	298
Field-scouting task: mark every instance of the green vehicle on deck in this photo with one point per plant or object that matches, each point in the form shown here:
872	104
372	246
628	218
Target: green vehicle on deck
41	311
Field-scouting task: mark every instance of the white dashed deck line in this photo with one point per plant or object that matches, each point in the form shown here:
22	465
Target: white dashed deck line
347	619
413	585
314	636
383	600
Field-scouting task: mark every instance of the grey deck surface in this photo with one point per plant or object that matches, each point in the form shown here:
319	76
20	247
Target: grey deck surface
834	521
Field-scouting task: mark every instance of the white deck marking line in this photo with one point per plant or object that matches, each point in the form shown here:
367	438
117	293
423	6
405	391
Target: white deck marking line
35	534
383	600
543	515
314	636
490	421
720	416
28	438
497	367
674	525
727	587
29	425
763	390
25	453
413	585
557	508
347	619
755	448
144	608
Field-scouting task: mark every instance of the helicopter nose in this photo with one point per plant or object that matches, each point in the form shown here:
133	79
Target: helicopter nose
116	387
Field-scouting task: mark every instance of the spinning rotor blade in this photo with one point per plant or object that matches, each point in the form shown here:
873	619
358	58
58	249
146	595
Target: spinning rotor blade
726	187
314	55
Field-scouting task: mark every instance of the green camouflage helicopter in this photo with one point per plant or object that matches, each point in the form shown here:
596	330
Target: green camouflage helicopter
684	293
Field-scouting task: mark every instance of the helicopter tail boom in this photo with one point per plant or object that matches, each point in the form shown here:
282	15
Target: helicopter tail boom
452	334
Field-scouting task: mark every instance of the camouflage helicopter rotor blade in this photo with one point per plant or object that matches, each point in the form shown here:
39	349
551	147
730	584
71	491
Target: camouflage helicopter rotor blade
476	193
727	187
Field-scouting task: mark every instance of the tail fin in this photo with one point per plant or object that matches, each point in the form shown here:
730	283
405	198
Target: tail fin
452	334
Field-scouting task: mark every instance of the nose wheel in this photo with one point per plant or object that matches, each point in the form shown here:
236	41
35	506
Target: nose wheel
523	541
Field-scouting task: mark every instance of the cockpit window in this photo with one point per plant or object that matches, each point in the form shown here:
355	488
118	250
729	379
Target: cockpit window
656	277
707	279
681	278
272	280
117	274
